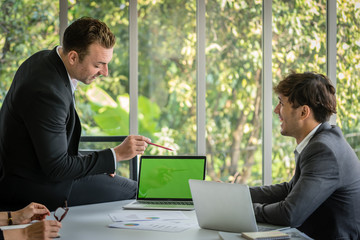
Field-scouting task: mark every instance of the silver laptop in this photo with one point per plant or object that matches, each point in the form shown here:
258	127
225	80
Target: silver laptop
163	182
224	207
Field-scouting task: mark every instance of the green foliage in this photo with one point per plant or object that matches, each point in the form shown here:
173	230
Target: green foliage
25	28
233	59
112	117
167	69
348	71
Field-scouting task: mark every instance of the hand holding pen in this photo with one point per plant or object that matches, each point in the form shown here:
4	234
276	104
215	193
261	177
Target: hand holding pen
131	146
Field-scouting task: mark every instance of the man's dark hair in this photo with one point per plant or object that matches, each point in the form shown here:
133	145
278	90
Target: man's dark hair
312	89
85	31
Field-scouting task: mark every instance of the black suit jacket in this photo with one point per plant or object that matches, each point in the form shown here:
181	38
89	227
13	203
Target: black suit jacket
323	197
39	136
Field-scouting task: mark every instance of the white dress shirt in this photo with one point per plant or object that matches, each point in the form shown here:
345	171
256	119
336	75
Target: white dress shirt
304	142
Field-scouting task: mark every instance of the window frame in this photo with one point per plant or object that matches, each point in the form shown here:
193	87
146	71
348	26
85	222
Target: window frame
201	74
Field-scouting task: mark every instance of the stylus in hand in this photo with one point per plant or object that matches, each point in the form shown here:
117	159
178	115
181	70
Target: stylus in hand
161	146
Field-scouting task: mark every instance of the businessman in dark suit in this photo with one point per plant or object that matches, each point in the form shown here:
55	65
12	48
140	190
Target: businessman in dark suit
323	197
40	129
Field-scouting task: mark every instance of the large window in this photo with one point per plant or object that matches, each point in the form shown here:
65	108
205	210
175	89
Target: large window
233	97
299	44
348	71
167	74
166	57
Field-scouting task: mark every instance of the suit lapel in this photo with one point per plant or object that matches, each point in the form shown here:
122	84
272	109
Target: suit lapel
73	125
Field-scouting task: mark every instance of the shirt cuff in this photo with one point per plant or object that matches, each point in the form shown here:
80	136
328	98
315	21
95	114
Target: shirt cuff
114	155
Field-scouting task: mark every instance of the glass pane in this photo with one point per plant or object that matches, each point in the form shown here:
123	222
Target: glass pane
299	44
167	74
103	106
348	71
233	65
26	28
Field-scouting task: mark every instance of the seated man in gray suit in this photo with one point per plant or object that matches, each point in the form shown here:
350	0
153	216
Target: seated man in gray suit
323	197
40	129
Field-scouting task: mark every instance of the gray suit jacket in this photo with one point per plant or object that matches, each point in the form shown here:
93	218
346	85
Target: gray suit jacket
323	197
39	136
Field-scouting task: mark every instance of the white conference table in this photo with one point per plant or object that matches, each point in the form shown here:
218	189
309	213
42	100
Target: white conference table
90	222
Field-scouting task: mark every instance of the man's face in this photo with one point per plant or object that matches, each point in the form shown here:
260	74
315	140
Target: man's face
289	117
94	64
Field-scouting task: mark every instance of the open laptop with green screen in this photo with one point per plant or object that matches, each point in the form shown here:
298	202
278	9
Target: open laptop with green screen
163	182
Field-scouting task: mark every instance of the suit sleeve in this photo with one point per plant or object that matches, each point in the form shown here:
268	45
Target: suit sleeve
270	194
319	176
46	114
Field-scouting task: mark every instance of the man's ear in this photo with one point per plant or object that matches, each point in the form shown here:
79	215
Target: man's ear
73	57
305	111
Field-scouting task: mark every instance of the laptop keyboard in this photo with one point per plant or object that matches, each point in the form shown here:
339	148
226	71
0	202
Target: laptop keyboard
166	202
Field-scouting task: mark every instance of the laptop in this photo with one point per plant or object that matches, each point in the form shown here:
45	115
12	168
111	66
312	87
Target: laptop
224	207
163	182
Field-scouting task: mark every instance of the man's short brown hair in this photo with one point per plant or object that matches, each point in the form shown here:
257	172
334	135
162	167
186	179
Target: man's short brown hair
85	31
312	89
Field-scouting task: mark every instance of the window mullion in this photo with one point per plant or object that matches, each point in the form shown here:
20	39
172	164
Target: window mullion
267	91
201	85
331	45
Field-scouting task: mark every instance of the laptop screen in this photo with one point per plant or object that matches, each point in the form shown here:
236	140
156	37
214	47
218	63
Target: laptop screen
167	177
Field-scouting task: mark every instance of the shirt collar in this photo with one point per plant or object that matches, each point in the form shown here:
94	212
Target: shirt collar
73	82
306	140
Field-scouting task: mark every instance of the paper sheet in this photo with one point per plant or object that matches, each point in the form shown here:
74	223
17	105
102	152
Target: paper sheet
14	226
165	221
147	215
164	226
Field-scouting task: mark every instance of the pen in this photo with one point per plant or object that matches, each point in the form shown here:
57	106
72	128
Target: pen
282	229
161	146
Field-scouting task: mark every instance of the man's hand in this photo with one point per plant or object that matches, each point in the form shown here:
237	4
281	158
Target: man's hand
132	145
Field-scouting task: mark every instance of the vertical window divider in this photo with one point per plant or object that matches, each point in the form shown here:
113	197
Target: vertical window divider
133	79
133	65
267	91
63	18
201	77
331	45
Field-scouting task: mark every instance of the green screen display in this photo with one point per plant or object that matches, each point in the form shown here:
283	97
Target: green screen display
169	177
